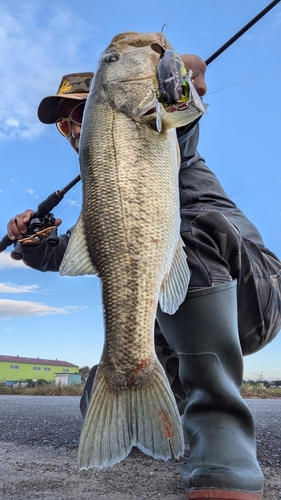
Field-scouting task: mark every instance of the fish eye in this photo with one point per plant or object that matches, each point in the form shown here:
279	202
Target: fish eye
109	58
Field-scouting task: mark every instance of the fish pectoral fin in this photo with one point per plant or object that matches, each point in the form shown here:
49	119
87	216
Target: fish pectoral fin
117	420
175	284
76	260
181	118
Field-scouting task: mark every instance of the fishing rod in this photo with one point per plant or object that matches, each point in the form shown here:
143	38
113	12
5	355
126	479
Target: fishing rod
43	223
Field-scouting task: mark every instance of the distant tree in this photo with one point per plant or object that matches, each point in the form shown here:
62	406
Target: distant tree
30	382
252	382
41	381
35	383
84	372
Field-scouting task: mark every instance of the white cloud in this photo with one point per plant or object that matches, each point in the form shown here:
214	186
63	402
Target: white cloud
76	308
31	191
12	123
6	262
39	43
11	288
73	203
21	308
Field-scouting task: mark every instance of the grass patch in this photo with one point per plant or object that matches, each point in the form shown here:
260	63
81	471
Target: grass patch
43	390
257	391
50	389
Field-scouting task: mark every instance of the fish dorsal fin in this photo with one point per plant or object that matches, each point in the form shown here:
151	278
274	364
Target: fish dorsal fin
175	284
76	260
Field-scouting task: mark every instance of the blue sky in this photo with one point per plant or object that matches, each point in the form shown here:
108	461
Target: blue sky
44	314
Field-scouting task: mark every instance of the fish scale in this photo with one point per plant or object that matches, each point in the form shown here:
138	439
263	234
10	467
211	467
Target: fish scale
128	244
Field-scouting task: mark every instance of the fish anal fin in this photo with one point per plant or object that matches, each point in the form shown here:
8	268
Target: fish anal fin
175	284
76	260
118	420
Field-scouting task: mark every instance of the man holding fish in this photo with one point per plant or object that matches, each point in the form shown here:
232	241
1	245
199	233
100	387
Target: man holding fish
232	305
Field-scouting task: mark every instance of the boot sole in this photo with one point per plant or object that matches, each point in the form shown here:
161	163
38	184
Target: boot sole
222	495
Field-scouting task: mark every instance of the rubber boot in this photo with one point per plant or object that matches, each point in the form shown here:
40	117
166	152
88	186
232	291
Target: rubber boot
218	422
170	362
85	398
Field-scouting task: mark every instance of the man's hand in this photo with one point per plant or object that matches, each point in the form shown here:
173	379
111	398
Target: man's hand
198	67
18	225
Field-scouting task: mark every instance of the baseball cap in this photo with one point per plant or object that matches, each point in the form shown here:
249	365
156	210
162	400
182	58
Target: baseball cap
73	86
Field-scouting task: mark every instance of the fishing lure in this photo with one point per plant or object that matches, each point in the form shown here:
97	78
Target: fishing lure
172	80
175	90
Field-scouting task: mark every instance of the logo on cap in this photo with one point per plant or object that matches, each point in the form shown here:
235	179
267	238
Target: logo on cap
66	86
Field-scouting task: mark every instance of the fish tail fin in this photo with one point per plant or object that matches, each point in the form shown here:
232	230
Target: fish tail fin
118	420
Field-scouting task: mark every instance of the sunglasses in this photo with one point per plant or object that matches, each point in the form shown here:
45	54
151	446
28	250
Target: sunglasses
75	116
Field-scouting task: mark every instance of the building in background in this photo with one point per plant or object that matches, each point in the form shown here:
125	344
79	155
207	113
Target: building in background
17	368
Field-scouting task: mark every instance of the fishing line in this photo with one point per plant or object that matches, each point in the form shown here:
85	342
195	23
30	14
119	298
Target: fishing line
69	202
258	75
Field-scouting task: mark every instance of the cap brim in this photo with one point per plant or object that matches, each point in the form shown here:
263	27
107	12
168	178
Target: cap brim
47	109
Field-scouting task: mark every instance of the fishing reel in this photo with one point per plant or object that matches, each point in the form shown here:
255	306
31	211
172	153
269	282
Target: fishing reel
41	226
39	229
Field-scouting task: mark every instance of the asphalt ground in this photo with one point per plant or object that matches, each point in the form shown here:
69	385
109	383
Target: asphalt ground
39	437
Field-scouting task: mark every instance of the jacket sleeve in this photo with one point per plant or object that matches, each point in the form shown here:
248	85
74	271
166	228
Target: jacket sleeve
188	138
43	257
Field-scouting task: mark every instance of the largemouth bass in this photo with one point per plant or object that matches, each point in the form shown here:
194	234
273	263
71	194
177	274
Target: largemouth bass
128	233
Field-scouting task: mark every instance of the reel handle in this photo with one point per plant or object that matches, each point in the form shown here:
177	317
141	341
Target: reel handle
17	253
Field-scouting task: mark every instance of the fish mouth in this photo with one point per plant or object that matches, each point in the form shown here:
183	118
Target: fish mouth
137	79
149	117
151	111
